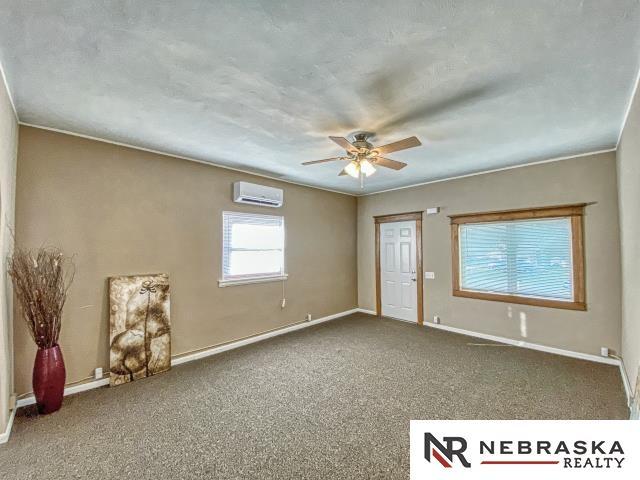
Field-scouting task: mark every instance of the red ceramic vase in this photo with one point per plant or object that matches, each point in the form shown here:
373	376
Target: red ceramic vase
49	375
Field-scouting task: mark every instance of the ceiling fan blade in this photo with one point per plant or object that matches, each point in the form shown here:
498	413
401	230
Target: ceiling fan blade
344	143
333	159
399	145
387	162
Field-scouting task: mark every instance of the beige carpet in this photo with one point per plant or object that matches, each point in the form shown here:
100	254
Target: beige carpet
328	402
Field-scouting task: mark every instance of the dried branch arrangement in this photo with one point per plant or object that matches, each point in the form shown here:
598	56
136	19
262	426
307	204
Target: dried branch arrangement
41	280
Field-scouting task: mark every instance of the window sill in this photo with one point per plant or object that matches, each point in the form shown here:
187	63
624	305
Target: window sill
538	302
249	280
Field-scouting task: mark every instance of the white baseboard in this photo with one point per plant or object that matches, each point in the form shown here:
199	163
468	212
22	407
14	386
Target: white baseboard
81	387
532	346
544	348
258	338
626	383
523	344
4	436
179	359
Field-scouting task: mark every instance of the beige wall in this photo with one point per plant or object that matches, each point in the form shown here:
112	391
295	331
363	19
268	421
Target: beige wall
8	148
124	211
629	199
584	179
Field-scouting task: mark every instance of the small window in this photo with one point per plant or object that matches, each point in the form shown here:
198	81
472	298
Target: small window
531	256
253	248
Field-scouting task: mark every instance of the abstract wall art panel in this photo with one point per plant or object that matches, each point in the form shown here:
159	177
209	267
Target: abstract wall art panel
140	327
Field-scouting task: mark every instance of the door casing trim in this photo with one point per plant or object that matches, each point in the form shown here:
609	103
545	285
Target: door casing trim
401	217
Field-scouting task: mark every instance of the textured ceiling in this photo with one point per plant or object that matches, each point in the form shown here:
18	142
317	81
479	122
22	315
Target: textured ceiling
259	85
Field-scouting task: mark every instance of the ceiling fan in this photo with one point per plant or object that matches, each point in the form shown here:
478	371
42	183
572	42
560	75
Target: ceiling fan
363	157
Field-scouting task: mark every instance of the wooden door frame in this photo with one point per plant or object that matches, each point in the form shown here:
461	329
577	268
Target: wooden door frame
401	217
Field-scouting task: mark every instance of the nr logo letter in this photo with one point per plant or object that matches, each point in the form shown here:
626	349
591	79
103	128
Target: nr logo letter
455	447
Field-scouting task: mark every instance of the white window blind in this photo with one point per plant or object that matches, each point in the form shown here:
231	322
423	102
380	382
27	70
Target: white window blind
530	258
253	246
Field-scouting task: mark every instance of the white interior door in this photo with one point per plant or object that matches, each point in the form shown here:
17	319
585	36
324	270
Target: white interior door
398	270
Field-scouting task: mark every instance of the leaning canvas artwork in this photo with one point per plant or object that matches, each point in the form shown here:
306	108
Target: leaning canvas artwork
140	327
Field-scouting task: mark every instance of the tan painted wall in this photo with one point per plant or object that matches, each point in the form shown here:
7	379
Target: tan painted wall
584	179
124	211
8	148
629	199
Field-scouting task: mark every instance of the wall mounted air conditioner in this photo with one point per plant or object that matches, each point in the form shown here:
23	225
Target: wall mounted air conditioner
244	192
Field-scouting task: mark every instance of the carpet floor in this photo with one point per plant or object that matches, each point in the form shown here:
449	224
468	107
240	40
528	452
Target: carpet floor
330	401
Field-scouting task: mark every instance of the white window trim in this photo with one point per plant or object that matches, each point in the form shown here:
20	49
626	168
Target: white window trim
253	278
249	280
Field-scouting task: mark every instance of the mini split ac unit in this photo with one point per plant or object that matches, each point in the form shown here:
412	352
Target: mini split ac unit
244	192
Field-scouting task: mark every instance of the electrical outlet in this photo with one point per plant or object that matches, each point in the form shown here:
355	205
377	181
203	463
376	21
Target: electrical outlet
97	374
308	317
604	351
436	319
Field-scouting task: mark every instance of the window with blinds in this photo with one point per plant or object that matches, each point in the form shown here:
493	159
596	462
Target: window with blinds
529	256
253	246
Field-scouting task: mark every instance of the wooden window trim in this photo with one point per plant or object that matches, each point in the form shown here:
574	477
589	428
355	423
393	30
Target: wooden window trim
574	211
398	217
401	217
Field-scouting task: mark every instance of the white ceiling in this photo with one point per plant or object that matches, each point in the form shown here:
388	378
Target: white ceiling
259	85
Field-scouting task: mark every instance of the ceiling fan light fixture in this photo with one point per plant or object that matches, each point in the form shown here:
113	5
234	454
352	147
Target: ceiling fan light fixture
353	169
367	168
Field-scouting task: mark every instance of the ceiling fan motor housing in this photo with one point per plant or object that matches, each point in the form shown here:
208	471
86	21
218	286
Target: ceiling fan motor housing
361	141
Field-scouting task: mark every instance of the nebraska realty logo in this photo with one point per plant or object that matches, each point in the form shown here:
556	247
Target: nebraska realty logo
528	449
